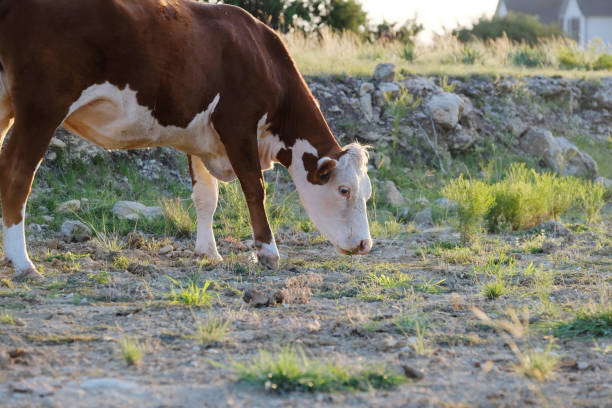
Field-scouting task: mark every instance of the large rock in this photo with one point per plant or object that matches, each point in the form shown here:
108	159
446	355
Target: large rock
604	97
558	153
75	231
389	88
384	72
366	106
132	210
460	140
445	109
419	86
424	219
392	194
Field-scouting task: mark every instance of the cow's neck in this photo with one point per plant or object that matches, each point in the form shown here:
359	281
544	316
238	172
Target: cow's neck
303	128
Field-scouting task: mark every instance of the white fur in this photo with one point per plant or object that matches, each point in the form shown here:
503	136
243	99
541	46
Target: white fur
343	222
268	144
205	195
112	118
15	245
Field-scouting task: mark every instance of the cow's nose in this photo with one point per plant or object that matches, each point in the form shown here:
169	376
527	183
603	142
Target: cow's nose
364	247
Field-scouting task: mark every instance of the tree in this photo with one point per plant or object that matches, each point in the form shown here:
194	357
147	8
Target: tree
345	15
279	14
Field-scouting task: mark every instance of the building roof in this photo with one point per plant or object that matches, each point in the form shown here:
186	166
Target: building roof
549	11
595	8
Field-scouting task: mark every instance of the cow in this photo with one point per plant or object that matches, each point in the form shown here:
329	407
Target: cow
208	80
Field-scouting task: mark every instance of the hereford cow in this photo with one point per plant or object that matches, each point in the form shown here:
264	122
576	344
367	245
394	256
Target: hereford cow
209	80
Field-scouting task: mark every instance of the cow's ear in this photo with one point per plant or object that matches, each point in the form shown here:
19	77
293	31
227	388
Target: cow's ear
325	166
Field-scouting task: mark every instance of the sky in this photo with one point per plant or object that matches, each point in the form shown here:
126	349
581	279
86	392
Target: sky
435	15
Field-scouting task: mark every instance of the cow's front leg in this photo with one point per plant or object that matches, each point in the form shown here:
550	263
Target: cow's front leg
205	196
240	142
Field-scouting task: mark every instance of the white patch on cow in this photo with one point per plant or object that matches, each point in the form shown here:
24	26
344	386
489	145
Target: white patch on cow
205	195
268	144
344	222
15	245
113	119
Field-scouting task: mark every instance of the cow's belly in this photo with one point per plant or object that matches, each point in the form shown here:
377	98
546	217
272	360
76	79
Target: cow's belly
112	118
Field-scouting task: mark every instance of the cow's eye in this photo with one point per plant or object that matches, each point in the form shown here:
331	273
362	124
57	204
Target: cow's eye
344	192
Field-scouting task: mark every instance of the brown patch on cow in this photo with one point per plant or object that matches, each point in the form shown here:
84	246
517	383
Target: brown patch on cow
317	175
285	157
193	179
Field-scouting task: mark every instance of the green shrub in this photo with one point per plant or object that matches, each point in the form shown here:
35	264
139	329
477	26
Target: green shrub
530	57
474	199
517	27
571	59
469	56
603	62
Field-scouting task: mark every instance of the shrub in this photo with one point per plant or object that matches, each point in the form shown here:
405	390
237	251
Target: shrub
517	27
603	62
474	199
530	57
571	59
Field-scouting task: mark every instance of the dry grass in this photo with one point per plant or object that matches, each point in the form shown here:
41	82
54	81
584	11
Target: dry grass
338	54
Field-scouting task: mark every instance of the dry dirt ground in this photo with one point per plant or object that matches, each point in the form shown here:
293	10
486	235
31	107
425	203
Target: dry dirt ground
62	348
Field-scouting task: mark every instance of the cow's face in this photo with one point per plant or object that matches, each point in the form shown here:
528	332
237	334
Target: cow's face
334	193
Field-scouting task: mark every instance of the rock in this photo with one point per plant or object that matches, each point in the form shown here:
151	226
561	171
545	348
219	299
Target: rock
384	72
604	97
371	136
132	210
419	86
57	143
366	107
412	373
256	298
445	109
460	140
165	250
603	181
69	206
557	153
366	88
75	231
389	88
47	218
392	194
446	204
424	219
422	201
38	386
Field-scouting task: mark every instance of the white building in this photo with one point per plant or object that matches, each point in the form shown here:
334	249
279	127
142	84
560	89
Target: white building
583	20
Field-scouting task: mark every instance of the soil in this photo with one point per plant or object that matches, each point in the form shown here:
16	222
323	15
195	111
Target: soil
62	349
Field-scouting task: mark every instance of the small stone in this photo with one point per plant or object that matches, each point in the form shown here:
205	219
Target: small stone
413	373
389	88
392	194
57	143
366	107
165	250
69	206
75	231
603	181
53	243
256	298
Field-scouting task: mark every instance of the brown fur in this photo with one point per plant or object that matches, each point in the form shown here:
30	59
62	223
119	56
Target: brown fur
177	55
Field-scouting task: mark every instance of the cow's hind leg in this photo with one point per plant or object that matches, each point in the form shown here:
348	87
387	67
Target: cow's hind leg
19	161
205	195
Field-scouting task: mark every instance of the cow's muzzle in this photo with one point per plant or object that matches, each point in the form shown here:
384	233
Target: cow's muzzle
364	247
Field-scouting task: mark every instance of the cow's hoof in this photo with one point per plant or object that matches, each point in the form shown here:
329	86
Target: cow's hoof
210	253
27	275
269	260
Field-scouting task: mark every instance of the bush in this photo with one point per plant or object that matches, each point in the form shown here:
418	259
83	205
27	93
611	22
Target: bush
529	57
517	27
474	200
603	62
571	59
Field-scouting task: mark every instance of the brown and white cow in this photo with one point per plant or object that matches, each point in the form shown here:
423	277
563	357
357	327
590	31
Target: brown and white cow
209	80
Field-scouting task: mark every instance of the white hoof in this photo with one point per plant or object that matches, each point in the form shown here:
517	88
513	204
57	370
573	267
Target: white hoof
268	255
209	252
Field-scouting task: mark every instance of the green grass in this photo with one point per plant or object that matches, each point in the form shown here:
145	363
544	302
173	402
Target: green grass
539	365
7	319
494	289
391	281
589	322
290	370
212	330
178	216
131	350
192	294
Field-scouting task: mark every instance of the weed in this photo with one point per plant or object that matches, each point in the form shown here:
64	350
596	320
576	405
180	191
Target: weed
398	107
101	278
530	57
110	242
132	350
494	289
290	370
429	286
446	85
7	319
192	295
179	218
474	199
212	330
121	262
394	281
408	323
539	365
594	321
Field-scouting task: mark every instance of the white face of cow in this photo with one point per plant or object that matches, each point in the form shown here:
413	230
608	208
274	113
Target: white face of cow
334	193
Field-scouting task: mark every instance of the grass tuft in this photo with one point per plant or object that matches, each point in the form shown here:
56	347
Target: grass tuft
178	216
593	322
290	370
7	319
212	330
131	350
192	295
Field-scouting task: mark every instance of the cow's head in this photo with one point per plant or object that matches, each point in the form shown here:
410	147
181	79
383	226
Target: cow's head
334	192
